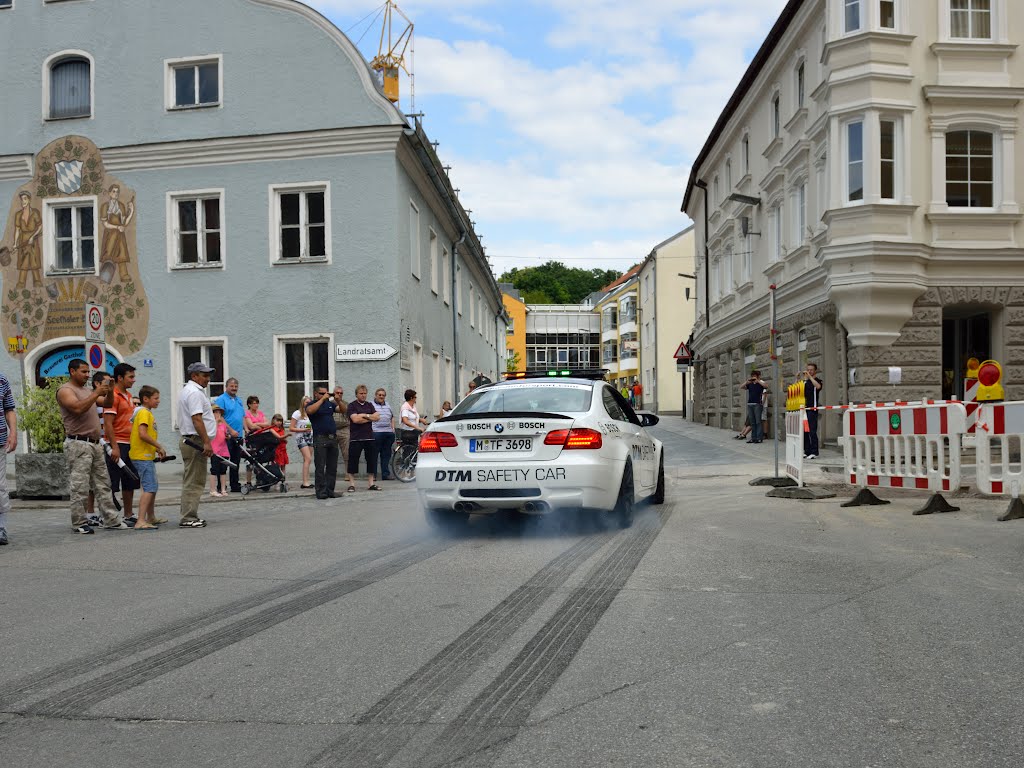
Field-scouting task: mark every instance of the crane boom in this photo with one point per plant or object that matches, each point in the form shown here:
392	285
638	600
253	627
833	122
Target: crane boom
392	49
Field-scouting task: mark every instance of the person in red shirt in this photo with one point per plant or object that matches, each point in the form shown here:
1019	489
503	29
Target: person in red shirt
637	392
117	429
281	454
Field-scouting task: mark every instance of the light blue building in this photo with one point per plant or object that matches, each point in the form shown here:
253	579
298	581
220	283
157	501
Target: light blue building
226	178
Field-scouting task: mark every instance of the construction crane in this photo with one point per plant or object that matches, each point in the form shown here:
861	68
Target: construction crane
391	52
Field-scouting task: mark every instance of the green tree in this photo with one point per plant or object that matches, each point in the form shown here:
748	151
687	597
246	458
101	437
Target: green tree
512	362
555	283
39	415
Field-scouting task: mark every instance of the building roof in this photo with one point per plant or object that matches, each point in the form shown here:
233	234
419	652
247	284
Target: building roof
760	59
620	280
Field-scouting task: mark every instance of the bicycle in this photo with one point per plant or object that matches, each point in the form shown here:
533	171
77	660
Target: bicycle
403	460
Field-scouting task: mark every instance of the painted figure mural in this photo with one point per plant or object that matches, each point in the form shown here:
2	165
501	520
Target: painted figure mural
59	221
28	226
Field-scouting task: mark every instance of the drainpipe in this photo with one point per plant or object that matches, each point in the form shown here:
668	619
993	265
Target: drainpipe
455	314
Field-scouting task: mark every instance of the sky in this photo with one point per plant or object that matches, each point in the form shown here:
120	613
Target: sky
569	125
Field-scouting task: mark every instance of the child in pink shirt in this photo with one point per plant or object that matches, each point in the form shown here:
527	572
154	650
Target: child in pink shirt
220	452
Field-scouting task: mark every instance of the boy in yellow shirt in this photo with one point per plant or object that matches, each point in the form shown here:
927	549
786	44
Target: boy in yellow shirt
144	449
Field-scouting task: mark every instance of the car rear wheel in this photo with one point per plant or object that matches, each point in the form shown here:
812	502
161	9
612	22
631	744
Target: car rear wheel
659	492
447	521
624	504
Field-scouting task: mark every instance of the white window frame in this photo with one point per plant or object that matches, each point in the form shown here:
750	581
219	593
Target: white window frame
776	114
49	234
997	170
432	249
747	261
173	241
178	365
895	15
170	65
728	176
847	162
800	84
280	383
843	11
998	21
717	191
745	153
56	58
776	224
897	144
458	289
800	212
414	239
749	356
446	289
992	12
274	194
472	307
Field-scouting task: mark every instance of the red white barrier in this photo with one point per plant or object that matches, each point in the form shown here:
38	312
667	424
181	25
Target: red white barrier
905	446
972	405
795	421
998	425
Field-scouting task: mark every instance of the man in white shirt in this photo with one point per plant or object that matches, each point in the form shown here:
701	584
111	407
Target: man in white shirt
197	425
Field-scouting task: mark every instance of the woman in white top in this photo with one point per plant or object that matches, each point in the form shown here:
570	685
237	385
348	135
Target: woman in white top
410	417
446	409
303	430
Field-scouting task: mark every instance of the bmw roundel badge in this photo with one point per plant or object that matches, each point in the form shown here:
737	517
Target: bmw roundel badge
498	428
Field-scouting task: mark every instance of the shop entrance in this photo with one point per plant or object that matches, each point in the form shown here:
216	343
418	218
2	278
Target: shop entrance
966	333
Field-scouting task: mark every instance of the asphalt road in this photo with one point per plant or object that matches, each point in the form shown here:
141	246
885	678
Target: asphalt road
723	629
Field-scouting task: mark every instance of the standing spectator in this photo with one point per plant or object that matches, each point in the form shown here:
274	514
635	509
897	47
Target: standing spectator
144	450
625	393
362	415
638	392
86	459
100	377
341	423
117	426
254	420
325	442
755	389
300	427
812	392
410	418
446	409
234	416
9	436
471	386
220	452
197	425
384	432
281	452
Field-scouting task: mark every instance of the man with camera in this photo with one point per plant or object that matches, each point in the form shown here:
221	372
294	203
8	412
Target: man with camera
812	399
325	442
755	389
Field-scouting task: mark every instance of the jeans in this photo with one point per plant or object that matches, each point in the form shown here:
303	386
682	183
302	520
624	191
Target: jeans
385	445
754	416
325	463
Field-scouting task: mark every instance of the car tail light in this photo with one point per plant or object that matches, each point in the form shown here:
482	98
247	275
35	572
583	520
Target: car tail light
433	442
574	439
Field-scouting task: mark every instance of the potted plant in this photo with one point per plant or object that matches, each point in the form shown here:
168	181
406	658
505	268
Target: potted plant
42	472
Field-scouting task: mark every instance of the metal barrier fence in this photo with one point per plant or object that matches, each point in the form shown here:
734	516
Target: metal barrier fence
1000	434
795	421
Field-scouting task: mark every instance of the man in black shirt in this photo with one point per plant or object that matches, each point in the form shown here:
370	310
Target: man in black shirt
755	388
812	399
325	443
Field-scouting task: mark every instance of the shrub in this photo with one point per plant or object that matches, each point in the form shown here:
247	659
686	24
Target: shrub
39	415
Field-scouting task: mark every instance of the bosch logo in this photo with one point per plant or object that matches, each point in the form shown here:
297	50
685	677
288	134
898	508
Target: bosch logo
531	425
476	427
498	428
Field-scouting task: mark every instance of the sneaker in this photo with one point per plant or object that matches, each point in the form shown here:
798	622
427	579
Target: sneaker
83	529
122	526
94	521
811	456
131	521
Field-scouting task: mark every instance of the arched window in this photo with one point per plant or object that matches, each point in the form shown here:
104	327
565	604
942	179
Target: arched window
70	88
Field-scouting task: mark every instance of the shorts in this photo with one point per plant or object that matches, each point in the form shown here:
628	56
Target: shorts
146	471
359	446
305	440
217	466
120	480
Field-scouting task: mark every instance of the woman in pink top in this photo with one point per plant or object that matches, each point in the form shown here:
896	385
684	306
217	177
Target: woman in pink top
220	451
253	420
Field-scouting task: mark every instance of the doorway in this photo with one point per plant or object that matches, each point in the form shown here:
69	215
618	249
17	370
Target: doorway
966	333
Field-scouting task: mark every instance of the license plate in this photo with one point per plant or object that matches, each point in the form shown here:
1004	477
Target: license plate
485	445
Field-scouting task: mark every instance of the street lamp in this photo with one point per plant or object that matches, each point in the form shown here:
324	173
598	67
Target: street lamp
736	197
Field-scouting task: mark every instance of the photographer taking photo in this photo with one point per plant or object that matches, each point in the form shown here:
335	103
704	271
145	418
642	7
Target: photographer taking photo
755	389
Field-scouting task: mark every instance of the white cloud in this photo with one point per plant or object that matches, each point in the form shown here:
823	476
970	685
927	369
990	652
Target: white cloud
476	24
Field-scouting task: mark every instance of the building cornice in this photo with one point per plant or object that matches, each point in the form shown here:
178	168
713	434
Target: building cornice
252	149
974	94
868	36
984	50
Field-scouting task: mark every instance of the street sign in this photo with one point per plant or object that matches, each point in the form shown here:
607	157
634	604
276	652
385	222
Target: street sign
364	353
682	353
682	368
97	355
95	327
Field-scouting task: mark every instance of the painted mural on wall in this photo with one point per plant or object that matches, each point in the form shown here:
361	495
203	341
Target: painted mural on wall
70	239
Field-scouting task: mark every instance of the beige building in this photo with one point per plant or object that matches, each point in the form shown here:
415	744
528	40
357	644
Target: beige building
618	308
667	303
865	165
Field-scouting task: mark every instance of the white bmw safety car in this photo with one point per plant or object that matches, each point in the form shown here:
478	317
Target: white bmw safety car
539	443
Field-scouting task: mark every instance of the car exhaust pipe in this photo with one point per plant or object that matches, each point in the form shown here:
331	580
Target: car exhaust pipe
464	506
529	506
536	507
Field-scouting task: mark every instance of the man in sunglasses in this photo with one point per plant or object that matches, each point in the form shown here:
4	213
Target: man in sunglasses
325	443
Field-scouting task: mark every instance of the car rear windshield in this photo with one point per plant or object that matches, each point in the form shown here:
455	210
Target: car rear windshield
547	398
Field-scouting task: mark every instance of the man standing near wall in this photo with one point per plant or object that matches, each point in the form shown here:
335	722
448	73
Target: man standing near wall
755	388
86	460
325	442
812	399
197	425
341	425
9	437
234	414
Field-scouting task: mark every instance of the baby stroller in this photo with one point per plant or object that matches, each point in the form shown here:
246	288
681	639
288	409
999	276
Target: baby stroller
258	450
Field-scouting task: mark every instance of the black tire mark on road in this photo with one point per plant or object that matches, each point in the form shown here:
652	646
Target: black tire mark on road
390	723
68	670
76	700
485	727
